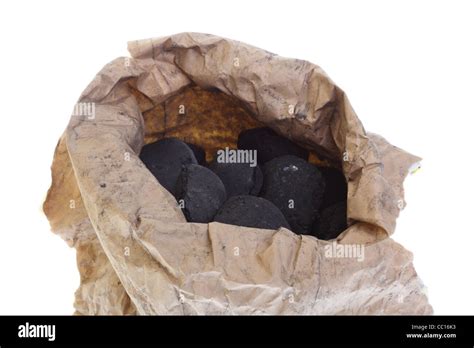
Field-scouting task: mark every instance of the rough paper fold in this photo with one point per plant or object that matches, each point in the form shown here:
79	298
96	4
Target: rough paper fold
138	255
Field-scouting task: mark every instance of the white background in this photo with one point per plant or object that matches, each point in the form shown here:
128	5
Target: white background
407	67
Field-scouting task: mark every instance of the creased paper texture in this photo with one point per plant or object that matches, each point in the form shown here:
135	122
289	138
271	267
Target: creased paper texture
137	254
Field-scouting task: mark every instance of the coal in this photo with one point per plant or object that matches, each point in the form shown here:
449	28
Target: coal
296	187
294	193
238	178
165	159
201	192
199	153
336	186
269	144
332	221
251	211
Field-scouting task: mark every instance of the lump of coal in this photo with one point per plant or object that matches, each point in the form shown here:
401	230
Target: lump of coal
165	159
199	153
332	221
296	187
200	192
269	144
238	178
336	186
251	211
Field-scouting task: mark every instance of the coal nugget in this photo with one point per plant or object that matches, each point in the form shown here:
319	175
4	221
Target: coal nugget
238	178
201	193
269	144
332	221
336	186
296	187
199	153
165	159
251	211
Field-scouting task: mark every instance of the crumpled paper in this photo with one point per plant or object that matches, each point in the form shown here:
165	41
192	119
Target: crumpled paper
136	253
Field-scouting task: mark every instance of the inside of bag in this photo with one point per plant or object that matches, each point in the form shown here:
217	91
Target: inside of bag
208	118
213	120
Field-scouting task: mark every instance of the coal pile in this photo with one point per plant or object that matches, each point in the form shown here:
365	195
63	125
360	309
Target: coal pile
269	145
199	153
296	187
201	193
267	183
238	178
332	221
336	187
251	211
165	160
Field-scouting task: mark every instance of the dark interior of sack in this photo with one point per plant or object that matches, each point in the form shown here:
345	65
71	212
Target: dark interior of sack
213	121
208	118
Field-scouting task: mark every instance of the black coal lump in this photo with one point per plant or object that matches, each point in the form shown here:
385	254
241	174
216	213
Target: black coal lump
199	153
200	192
251	211
269	144
296	187
336	186
238	178
165	159
332	221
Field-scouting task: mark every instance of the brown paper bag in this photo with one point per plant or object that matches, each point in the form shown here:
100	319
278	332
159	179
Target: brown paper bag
135	251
